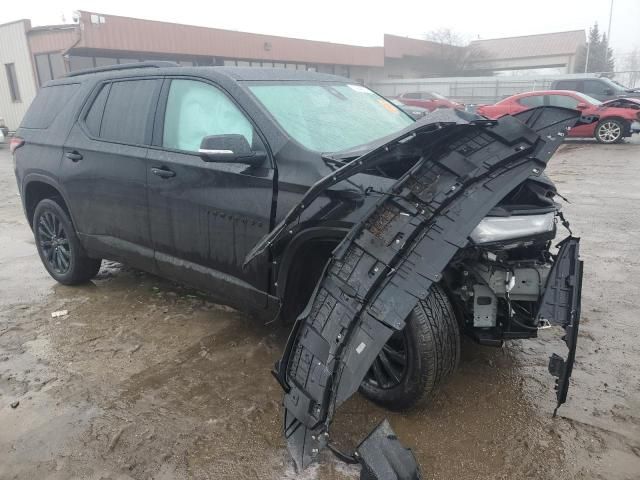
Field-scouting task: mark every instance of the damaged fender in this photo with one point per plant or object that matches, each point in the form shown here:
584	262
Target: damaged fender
388	262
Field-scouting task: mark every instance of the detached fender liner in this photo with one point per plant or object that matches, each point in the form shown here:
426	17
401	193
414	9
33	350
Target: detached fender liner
388	262
560	305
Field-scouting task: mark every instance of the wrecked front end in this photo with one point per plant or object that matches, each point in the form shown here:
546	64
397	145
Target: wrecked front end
473	212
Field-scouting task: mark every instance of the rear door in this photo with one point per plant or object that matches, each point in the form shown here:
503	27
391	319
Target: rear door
104	170
205	217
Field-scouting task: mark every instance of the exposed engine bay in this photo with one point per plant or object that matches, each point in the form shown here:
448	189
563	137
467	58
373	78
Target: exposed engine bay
475	213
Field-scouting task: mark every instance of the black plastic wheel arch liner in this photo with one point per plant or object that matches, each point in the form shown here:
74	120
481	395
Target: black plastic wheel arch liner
388	262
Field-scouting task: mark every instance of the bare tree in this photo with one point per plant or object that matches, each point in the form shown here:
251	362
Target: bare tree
454	54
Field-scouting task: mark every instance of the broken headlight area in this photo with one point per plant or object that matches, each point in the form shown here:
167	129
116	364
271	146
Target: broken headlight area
401	247
500	229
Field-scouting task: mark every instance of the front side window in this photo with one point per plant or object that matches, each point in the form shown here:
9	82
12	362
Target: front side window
328	117
600	87
563	101
196	110
532	101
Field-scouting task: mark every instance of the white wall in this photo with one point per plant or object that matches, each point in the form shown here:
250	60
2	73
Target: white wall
14	48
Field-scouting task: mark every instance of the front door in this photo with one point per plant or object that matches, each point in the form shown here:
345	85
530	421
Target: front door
205	217
104	171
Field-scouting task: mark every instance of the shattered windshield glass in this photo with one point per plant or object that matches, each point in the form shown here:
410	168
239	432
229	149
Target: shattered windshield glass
330	117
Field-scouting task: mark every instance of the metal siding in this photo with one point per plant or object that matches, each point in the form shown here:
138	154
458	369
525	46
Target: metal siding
54	40
136	35
15	49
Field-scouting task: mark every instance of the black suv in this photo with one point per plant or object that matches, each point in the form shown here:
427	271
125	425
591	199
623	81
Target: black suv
600	88
307	196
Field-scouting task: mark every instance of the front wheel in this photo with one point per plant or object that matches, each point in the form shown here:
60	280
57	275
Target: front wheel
418	359
610	131
59	247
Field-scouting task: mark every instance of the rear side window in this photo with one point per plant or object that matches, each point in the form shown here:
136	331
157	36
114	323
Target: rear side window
532	101
47	104
129	110
567	85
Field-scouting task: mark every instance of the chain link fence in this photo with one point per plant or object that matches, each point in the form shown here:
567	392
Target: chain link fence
476	90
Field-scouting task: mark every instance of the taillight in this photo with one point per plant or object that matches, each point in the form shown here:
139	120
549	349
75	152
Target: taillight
15	143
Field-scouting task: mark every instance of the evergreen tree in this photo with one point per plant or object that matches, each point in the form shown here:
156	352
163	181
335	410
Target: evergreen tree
600	54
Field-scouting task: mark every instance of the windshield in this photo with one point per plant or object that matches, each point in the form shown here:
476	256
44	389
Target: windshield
330	117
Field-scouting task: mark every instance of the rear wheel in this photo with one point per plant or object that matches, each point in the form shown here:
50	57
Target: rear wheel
610	131
418	359
59	247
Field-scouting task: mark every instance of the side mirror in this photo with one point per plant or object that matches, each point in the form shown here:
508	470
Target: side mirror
582	106
608	91
230	148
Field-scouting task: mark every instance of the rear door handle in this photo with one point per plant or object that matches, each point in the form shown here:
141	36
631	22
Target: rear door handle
163	172
74	156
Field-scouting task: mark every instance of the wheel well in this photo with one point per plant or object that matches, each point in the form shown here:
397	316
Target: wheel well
37	191
303	275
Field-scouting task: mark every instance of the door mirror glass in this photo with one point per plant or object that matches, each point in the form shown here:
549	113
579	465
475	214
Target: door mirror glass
229	148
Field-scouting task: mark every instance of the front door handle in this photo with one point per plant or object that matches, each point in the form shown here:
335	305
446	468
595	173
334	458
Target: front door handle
163	172
74	156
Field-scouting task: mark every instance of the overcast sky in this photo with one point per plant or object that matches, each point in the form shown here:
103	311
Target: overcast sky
360	22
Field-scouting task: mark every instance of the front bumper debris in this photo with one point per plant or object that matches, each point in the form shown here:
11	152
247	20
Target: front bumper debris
388	262
560	305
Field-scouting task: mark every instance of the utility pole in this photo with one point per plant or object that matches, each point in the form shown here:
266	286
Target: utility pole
586	60
609	29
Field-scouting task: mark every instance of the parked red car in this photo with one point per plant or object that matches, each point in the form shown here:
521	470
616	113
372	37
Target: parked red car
618	118
429	100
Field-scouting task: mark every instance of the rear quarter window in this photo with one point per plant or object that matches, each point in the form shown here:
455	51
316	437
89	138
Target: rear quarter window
49	102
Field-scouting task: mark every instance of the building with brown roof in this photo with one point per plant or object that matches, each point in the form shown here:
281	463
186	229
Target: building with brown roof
40	54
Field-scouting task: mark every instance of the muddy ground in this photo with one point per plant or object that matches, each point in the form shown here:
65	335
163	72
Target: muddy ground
146	379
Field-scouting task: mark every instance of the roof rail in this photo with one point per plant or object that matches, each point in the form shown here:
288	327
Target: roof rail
123	66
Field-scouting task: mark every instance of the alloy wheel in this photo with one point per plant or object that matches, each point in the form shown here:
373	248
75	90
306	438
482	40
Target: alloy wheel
609	132
54	243
390	367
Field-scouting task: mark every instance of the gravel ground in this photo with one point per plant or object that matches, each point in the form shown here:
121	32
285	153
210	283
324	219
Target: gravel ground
144	378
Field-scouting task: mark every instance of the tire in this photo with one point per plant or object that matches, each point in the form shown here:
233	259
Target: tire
59	247
430	342
610	130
